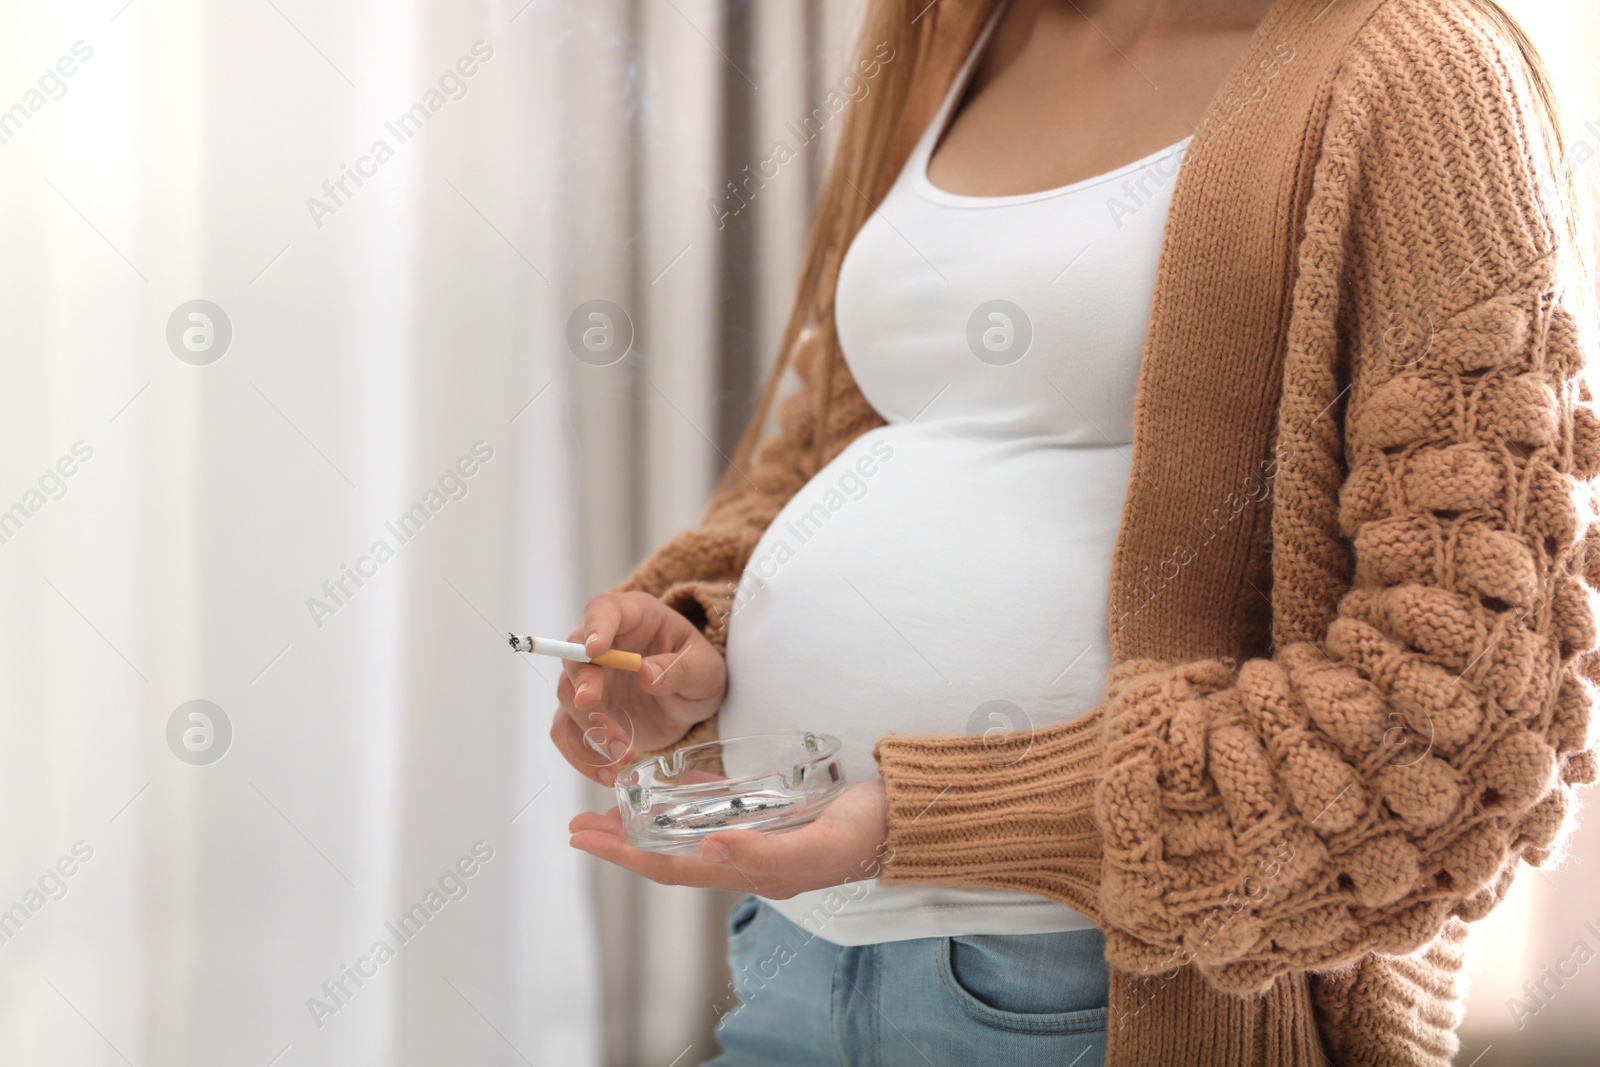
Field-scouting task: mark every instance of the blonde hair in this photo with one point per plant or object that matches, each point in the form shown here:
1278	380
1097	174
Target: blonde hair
854	185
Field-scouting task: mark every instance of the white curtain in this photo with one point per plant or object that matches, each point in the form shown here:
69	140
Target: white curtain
200	521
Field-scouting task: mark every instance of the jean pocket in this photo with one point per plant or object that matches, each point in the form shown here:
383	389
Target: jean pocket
744	919
1044	983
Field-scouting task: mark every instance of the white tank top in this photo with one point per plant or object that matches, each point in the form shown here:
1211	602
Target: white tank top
949	572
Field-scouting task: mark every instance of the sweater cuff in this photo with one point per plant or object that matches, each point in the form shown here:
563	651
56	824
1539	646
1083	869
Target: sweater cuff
1003	811
707	604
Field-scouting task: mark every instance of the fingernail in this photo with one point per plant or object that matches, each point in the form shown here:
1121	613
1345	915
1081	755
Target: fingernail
582	689
719	852
587	641
618	748
653	673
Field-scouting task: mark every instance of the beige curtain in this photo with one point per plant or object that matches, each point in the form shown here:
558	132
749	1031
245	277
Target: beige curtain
669	100
667	103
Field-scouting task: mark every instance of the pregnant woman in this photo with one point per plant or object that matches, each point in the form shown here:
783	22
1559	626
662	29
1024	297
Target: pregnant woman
1180	504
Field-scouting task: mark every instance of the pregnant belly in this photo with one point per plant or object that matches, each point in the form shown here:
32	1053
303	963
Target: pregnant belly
928	582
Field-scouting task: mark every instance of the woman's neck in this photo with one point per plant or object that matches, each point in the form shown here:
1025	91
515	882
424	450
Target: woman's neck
1125	20
1115	26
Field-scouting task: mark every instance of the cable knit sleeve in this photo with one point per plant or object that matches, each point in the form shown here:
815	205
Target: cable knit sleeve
1352	794
698	571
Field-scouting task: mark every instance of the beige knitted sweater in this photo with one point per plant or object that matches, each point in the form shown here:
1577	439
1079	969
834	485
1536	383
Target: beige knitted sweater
1351	610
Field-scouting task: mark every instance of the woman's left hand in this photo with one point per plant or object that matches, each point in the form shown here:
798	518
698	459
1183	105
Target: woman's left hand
846	843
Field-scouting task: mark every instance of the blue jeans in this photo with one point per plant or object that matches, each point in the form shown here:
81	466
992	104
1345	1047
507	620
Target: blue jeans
1011	1000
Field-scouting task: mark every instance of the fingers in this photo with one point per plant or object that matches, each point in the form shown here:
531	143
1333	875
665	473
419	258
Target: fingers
846	843
696	672
744	860
572	741
602	727
602	616
746	848
585	682
631	617
672	691
607	617
602	836
782	864
610	822
587	717
568	740
611	846
765	856
771	865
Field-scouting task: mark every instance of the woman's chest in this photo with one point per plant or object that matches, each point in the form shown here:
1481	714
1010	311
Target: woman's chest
1017	319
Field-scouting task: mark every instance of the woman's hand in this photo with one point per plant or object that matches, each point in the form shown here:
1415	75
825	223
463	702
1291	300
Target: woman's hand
846	843
681	683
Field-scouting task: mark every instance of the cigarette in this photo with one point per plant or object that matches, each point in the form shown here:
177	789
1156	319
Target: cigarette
543	646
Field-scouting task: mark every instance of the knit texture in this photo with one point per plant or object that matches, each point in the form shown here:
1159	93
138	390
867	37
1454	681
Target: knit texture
1351	609
1396	1009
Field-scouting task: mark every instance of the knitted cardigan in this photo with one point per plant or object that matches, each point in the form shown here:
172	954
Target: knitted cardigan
1350	617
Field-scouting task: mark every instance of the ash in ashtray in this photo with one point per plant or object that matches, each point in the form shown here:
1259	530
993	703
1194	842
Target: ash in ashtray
714	813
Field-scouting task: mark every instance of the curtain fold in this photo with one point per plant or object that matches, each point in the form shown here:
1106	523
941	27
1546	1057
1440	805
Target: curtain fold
314	504
705	275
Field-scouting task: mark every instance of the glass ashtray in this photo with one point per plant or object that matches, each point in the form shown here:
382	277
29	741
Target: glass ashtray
766	782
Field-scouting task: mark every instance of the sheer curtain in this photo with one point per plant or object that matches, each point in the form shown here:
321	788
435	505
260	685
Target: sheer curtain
313	503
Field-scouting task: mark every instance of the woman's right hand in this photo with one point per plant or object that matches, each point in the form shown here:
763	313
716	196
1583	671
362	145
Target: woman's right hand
680	684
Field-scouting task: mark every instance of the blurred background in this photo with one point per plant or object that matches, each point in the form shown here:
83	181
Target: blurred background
292	431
